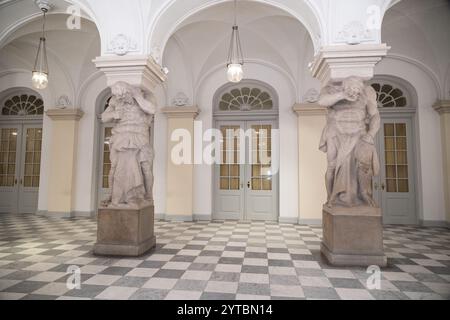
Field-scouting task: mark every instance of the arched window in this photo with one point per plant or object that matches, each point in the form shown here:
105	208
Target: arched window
246	99
389	96
23	105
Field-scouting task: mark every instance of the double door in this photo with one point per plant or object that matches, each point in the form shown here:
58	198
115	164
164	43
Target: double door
246	181
20	167
394	188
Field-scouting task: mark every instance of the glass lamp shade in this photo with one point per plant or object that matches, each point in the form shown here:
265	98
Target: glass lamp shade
39	80
40	70
235	72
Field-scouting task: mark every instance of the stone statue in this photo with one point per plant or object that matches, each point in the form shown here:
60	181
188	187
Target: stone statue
348	139
131	176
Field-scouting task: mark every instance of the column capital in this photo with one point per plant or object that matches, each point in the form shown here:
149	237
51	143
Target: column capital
309	109
65	114
181	112
442	106
335	63
137	70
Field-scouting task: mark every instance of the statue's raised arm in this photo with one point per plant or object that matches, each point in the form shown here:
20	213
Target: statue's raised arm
145	103
330	95
110	114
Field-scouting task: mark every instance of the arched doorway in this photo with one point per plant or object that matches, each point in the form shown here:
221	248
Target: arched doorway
21	119
105	132
246	186
395	187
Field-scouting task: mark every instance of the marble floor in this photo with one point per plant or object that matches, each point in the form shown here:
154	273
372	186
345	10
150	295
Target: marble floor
213	260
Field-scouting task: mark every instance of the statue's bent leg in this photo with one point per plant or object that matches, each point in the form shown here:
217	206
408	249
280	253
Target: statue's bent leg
365	184
147	170
331	171
108	200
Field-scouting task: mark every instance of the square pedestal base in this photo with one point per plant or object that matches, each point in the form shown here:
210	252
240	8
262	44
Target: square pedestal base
353	236
125	232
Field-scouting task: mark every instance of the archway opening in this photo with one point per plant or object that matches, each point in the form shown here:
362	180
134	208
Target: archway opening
246	181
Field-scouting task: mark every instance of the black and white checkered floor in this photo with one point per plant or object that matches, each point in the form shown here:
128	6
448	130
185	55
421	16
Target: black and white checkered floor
213	260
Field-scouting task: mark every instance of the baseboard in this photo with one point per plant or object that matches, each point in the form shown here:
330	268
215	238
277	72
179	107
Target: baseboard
160	216
288	220
178	218
435	224
310	222
202	217
67	215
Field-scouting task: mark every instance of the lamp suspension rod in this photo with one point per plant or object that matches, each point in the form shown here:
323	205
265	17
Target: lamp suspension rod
235	12
43	24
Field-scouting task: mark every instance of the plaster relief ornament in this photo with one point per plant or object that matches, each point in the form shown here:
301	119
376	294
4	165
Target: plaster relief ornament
354	33
180	100
121	45
348	139
311	96
63	102
131	175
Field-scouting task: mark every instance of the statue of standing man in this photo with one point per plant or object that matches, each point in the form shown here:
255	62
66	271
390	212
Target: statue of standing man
131	175
348	139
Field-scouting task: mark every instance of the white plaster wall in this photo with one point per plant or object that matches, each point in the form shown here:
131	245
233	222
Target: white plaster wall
428	136
180	74
160	147
203	174
88	149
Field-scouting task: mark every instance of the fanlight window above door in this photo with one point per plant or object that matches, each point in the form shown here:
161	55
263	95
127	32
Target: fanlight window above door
246	99
389	96
23	105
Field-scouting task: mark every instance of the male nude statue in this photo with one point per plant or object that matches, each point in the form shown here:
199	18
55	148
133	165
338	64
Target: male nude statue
348	139
131	175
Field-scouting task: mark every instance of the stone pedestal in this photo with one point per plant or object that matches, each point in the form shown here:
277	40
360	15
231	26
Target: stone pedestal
125	232
353	236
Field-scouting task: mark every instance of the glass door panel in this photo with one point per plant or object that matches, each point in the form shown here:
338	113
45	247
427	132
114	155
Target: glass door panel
395	189
30	168
229	174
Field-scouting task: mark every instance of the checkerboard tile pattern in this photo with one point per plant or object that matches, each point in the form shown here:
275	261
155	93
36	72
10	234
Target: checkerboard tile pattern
213	260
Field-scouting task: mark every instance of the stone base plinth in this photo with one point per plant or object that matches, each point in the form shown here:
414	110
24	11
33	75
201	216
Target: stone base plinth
353	236
125	232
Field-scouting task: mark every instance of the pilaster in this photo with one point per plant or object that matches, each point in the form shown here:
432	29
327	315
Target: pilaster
312	192
63	157
180	177
443	108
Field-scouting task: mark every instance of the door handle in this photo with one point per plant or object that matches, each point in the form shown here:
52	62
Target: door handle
15	181
383	186
21	181
248	185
